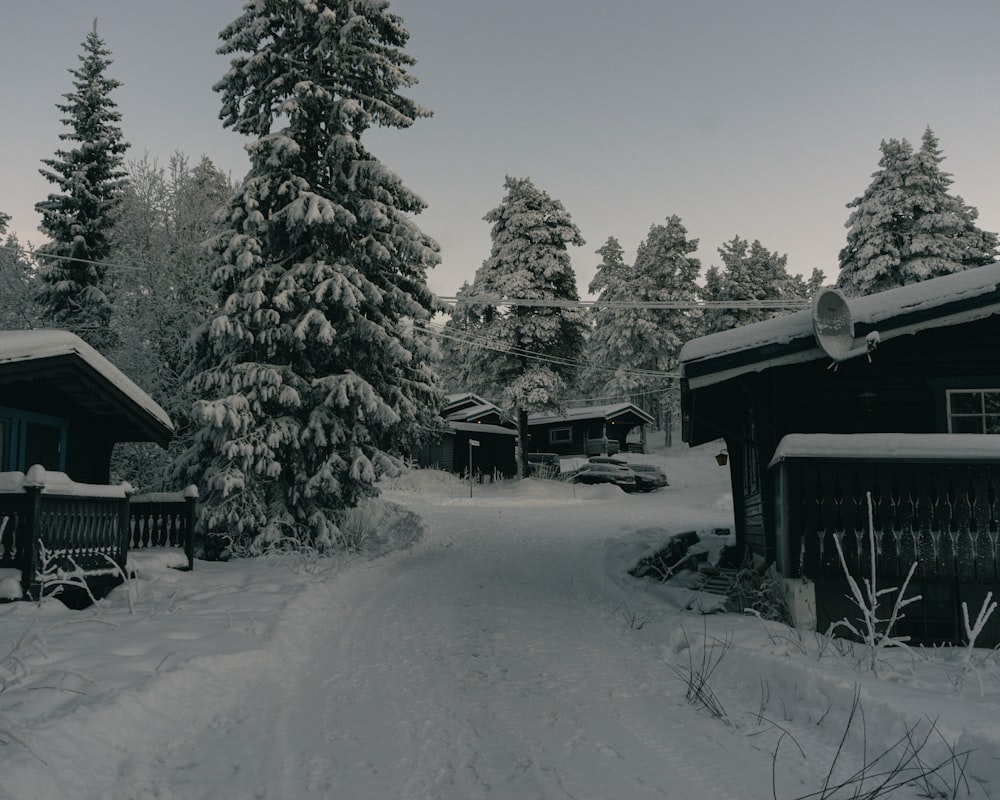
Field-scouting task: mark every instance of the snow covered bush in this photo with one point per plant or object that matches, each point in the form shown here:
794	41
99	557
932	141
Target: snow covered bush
760	592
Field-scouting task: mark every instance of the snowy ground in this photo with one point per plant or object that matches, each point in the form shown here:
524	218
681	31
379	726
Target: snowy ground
506	654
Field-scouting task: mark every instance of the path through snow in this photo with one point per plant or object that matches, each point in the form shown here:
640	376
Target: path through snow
494	659
491	662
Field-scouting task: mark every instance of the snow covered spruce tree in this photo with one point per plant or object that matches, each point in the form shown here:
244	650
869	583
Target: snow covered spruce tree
465	330
531	352
907	227
91	178
751	272
646	341
607	374
18	278
312	376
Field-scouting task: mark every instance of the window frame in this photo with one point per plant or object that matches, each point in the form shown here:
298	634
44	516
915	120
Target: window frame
982	414
13	442
558	439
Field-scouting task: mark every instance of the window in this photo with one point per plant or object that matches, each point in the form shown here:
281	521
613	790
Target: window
560	435
27	438
973	410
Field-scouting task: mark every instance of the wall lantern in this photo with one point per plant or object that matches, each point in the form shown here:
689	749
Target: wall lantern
868	401
722	458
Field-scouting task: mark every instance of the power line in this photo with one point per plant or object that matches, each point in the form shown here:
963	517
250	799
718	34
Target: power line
464	337
790	304
499	300
22	252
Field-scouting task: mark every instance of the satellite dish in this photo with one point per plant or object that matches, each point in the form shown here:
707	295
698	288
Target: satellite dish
833	327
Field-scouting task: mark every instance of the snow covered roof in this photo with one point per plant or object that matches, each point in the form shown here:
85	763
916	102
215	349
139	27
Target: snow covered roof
35	347
475	427
949	300
469	407
887	446
472	413
608	412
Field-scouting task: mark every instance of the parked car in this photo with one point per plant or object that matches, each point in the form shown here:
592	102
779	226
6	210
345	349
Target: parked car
647	476
595	472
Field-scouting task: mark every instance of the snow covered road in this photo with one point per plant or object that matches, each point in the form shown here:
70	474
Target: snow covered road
491	662
505	655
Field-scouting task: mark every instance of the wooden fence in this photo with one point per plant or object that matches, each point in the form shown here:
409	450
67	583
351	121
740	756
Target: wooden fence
47	535
944	516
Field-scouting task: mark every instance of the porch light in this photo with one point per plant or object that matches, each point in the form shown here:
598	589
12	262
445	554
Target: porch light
722	458
868	400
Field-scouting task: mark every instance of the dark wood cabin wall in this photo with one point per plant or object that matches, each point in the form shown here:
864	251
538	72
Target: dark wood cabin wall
88	452
906	376
89	438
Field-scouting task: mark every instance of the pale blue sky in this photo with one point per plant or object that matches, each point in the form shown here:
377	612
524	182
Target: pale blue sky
744	117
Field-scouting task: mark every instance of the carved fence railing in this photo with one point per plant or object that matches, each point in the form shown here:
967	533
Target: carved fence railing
164	519
51	528
943	515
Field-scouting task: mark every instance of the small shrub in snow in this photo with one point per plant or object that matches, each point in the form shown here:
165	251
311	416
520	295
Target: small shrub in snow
636	620
760	592
971	634
874	630
377	527
698	671
905	765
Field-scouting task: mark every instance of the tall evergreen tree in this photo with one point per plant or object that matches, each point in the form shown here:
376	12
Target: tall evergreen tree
751	272
313	376
17	278
944	237
664	270
91	179
633	350
607	374
165	217
533	351
877	227
464	333
907	227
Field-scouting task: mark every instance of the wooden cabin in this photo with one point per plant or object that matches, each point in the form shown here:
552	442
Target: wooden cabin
894	396
470	418
64	406
588	430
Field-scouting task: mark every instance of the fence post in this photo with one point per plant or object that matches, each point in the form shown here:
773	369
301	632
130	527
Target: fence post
28	534
190	500
124	529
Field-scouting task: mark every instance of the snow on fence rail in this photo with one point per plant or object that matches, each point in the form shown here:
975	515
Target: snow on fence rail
50	523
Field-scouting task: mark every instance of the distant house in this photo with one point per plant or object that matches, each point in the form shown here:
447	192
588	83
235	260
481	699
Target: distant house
894	396
472	418
64	406
587	430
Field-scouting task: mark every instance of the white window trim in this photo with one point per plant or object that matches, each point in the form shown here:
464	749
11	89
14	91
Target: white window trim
981	415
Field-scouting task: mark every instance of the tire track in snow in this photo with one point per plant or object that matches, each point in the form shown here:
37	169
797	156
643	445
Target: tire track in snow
484	664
